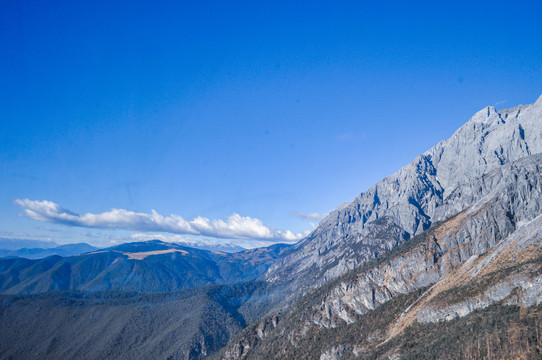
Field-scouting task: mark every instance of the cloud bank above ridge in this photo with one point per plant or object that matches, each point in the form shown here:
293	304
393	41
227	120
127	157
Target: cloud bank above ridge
234	227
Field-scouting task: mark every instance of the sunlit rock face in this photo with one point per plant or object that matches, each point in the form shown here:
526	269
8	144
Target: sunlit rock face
488	253
408	202
502	227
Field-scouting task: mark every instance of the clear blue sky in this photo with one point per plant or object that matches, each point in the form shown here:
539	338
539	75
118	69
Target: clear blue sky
269	110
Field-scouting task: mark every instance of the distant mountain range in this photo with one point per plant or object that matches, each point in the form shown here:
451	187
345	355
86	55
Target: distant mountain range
40	253
36	249
151	266
441	260
16	244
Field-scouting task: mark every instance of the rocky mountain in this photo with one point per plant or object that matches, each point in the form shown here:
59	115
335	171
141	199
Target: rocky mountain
151	266
408	202
487	254
441	260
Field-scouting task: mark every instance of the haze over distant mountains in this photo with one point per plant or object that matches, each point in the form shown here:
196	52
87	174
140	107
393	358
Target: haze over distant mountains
16	244
37	249
143	267
430	262
39	253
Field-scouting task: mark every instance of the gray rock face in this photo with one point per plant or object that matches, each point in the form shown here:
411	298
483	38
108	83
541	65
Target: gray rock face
490	252
239	349
504	216
406	203
336	353
529	294
481	193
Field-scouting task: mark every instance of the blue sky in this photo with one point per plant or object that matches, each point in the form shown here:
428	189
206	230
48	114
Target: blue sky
233	121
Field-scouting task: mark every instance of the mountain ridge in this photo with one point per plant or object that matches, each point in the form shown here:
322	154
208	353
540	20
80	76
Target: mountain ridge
489	253
40	253
405	202
450	242
151	266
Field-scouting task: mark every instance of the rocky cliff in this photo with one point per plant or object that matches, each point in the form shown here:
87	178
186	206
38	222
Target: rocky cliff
490	253
455	232
406	203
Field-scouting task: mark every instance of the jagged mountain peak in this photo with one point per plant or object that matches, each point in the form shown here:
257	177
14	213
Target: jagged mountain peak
404	204
483	259
489	139
484	114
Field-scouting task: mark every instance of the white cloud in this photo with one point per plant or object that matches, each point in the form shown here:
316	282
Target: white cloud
197	243
171	238
234	227
310	216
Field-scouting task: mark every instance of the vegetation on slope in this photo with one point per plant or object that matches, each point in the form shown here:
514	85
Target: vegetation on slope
498	332
121	325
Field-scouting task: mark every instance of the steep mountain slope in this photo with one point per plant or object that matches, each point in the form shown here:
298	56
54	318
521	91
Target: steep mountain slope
488	254
152	266
408	202
451	242
119	325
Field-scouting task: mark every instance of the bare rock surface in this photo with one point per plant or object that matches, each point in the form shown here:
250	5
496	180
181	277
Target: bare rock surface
408	202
